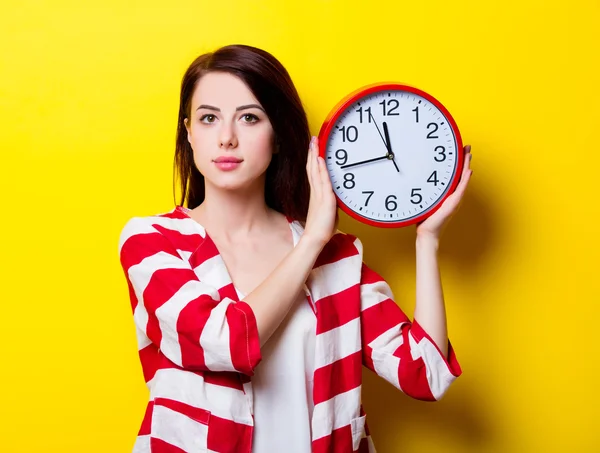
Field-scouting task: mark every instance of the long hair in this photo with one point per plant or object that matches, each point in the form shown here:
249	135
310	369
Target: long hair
286	188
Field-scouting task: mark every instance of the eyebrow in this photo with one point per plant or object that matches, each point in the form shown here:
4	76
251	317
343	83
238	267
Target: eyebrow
241	107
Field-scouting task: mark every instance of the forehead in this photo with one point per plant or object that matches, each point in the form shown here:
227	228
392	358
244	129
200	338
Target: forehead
222	90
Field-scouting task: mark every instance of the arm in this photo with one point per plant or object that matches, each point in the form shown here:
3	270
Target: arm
188	320
400	351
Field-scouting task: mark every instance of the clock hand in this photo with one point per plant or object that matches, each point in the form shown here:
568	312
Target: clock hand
389	145
364	162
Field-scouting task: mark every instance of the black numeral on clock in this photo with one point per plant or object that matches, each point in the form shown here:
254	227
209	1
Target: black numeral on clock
367	111
419	197
390	203
370	192
416	110
440	153
386	104
349	134
349	181
435	126
342	157
435	178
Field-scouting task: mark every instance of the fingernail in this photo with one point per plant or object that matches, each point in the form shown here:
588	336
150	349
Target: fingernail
313	140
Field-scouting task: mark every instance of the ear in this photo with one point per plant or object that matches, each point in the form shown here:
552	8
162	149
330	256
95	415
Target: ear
186	123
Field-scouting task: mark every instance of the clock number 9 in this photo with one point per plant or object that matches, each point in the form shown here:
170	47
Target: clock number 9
341	155
349	181
351	133
390	203
442	153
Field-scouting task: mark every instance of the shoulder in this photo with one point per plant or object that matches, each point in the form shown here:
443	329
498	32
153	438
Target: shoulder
172	222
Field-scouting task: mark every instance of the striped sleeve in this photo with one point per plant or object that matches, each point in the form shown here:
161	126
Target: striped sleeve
399	350
185	318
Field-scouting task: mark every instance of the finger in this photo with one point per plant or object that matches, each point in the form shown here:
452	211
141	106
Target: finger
316	169
309	167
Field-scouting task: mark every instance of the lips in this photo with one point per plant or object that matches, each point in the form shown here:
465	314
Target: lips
227	160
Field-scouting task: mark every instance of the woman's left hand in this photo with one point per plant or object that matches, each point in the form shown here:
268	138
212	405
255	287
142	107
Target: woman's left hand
434	224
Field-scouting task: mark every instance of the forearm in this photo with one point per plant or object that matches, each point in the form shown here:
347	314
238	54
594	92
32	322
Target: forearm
430	310
274	297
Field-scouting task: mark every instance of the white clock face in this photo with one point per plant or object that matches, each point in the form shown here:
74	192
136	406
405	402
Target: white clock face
391	156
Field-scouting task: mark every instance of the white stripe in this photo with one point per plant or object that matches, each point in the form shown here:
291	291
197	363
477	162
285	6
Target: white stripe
374	293
333	278
213	270
439	376
178	429
336	412
142	444
168	315
142	338
337	343
214	339
143	225
190	388
386	364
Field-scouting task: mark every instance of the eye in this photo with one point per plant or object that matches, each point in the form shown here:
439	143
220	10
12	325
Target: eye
208	118
250	118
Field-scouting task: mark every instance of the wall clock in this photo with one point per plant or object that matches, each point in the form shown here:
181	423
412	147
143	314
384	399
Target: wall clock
393	153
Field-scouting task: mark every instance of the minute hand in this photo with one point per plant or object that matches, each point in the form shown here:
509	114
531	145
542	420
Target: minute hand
364	162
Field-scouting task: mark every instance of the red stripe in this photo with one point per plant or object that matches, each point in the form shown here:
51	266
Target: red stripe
451	361
163	284
205	251
145	428
338	377
195	413
178	240
243	337
160	446
226	436
338	309
412	374
141	246
368	275
340	441
176	213
379	318
190	324
229	379
340	246
149	358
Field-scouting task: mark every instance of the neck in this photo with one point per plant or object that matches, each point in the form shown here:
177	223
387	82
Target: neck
231	214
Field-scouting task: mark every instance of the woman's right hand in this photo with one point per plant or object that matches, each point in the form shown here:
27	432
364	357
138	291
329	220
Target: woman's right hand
322	218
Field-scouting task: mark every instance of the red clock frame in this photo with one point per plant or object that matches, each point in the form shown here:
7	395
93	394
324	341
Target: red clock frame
366	91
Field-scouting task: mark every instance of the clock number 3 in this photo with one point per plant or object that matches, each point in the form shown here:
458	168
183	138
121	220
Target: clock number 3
441	153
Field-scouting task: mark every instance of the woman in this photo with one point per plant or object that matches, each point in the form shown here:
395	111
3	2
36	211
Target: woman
254	315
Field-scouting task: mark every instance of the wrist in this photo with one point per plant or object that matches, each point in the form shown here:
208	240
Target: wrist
428	241
311	244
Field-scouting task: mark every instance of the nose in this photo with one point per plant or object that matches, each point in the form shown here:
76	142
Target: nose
227	136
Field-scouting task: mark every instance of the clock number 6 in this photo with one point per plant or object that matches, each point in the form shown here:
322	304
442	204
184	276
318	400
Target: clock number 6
390	203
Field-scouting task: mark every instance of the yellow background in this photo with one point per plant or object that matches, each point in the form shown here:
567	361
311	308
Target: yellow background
88	108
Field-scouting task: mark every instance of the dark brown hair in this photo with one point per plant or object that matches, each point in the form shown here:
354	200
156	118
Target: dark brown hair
286	187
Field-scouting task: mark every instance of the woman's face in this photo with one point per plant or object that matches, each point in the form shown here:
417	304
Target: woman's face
230	133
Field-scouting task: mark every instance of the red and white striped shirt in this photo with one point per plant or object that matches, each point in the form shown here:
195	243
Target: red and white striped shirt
198	343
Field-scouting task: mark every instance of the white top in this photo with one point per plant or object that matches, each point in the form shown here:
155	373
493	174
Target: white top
283	384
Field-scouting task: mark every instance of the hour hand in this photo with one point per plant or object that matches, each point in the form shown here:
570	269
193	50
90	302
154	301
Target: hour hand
389	146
